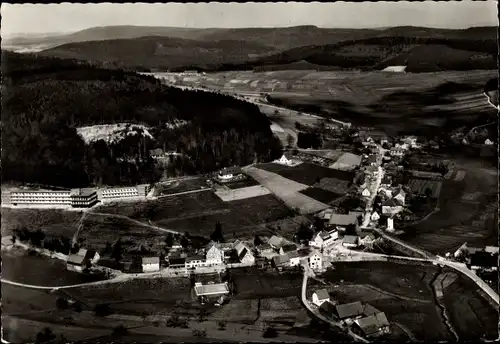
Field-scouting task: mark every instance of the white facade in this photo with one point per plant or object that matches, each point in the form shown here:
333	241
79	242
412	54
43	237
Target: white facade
151	267
41	197
400	197
386	210
390	224
284	160
294	261
119	192
316	262
375	216
214	256
320	242
225	176
318	301
366	193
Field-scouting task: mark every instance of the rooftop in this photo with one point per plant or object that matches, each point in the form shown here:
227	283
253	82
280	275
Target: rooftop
484	259
193	258
322	294
280	260
342	219
276	241
83	192
289	248
349	310
151	260
211	289
75	259
350	239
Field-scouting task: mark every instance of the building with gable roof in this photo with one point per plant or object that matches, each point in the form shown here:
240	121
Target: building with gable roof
324	238
320	296
391	207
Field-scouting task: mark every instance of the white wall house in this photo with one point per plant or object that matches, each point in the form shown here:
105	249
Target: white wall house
324	238
366	193
391	207
150	264
214	255
390	224
320	296
375	216
316	262
294	258
244	254
286	159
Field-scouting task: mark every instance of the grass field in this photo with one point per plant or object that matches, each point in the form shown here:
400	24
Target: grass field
405	294
461	218
307	173
52	222
23	267
419	186
242	193
181	185
197	213
320	194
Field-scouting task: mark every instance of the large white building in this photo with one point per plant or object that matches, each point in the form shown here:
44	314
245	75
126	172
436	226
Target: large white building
316	262
78	198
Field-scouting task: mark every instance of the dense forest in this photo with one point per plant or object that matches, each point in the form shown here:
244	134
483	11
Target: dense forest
46	99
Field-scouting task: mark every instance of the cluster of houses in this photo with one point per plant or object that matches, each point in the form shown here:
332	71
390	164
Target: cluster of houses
478	258
364	319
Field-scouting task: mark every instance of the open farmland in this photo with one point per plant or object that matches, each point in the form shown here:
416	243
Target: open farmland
419	186
463	216
31	268
405	294
321	195
242	193
180	185
98	229
254	284
53	222
287	190
307	173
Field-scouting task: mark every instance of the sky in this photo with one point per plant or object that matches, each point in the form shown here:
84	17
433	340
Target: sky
67	17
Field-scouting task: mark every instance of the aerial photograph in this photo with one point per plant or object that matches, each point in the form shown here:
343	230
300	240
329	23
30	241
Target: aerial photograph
249	172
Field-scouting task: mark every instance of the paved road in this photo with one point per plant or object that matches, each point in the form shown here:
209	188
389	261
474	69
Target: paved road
184	193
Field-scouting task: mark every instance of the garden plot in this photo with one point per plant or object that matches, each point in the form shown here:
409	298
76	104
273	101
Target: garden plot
420	186
242	193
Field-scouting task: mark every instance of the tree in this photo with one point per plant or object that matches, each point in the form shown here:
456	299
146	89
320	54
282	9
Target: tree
62	303
270	332
184	241
169	240
102	310
350	229
217	234
45	335
119	330
257	241
117	251
305	233
199	333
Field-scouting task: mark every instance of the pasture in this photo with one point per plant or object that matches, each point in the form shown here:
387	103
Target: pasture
53	222
287	190
467	213
419	186
31	268
307	173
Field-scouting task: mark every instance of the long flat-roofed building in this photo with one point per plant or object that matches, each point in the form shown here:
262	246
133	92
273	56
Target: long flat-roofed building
41	197
83	198
125	192
211	289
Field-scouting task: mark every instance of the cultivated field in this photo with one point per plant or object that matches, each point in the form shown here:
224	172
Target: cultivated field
241	183
254	284
287	190
242	193
405	294
51	221
321	195
31	268
467	213
307	173
419	186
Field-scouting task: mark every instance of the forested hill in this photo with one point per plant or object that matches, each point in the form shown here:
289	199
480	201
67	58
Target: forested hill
46	99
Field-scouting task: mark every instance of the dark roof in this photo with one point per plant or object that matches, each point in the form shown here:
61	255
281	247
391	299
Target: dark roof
197	257
242	254
76	259
289	248
324	235
265	246
349	310
230	170
391	202
327	308
483	259
280	260
369	310
322	294
177	261
386	179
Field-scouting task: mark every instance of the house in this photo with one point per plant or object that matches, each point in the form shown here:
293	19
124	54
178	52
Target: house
211	290
397	152
327	309
483	261
90	255
320	296
390	224
276	242
367	239
76	263
150	264
324	238
488	142
294	258
350	241
229	173
195	261
341	221
491	249
391	207
372	325
288	248
214	255
372	160
369	310
400	196
366	193
286	159
375	216
176	262
316	262
386	192
349	310
386	181
281	261
265	249
245	256
156	153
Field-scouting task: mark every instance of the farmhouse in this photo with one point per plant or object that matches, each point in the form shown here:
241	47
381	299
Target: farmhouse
156	153
76	263
229	173
214	255
320	296
286	159
294	258
177	262
366	239
195	261
391	207
350	241
341	221
483	261
265	249
276	242
372	325
375	216
281	261
288	248
365	192
213	290
349	310
324	238
150	264
245	256
316	262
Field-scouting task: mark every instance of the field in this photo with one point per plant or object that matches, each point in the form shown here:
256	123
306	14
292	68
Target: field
242	193
197	213
178	186
419	186
321	195
287	190
405	294
51	221
467	213
307	173
24	267
241	183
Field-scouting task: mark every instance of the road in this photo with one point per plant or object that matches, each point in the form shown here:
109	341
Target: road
373	188
184	193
